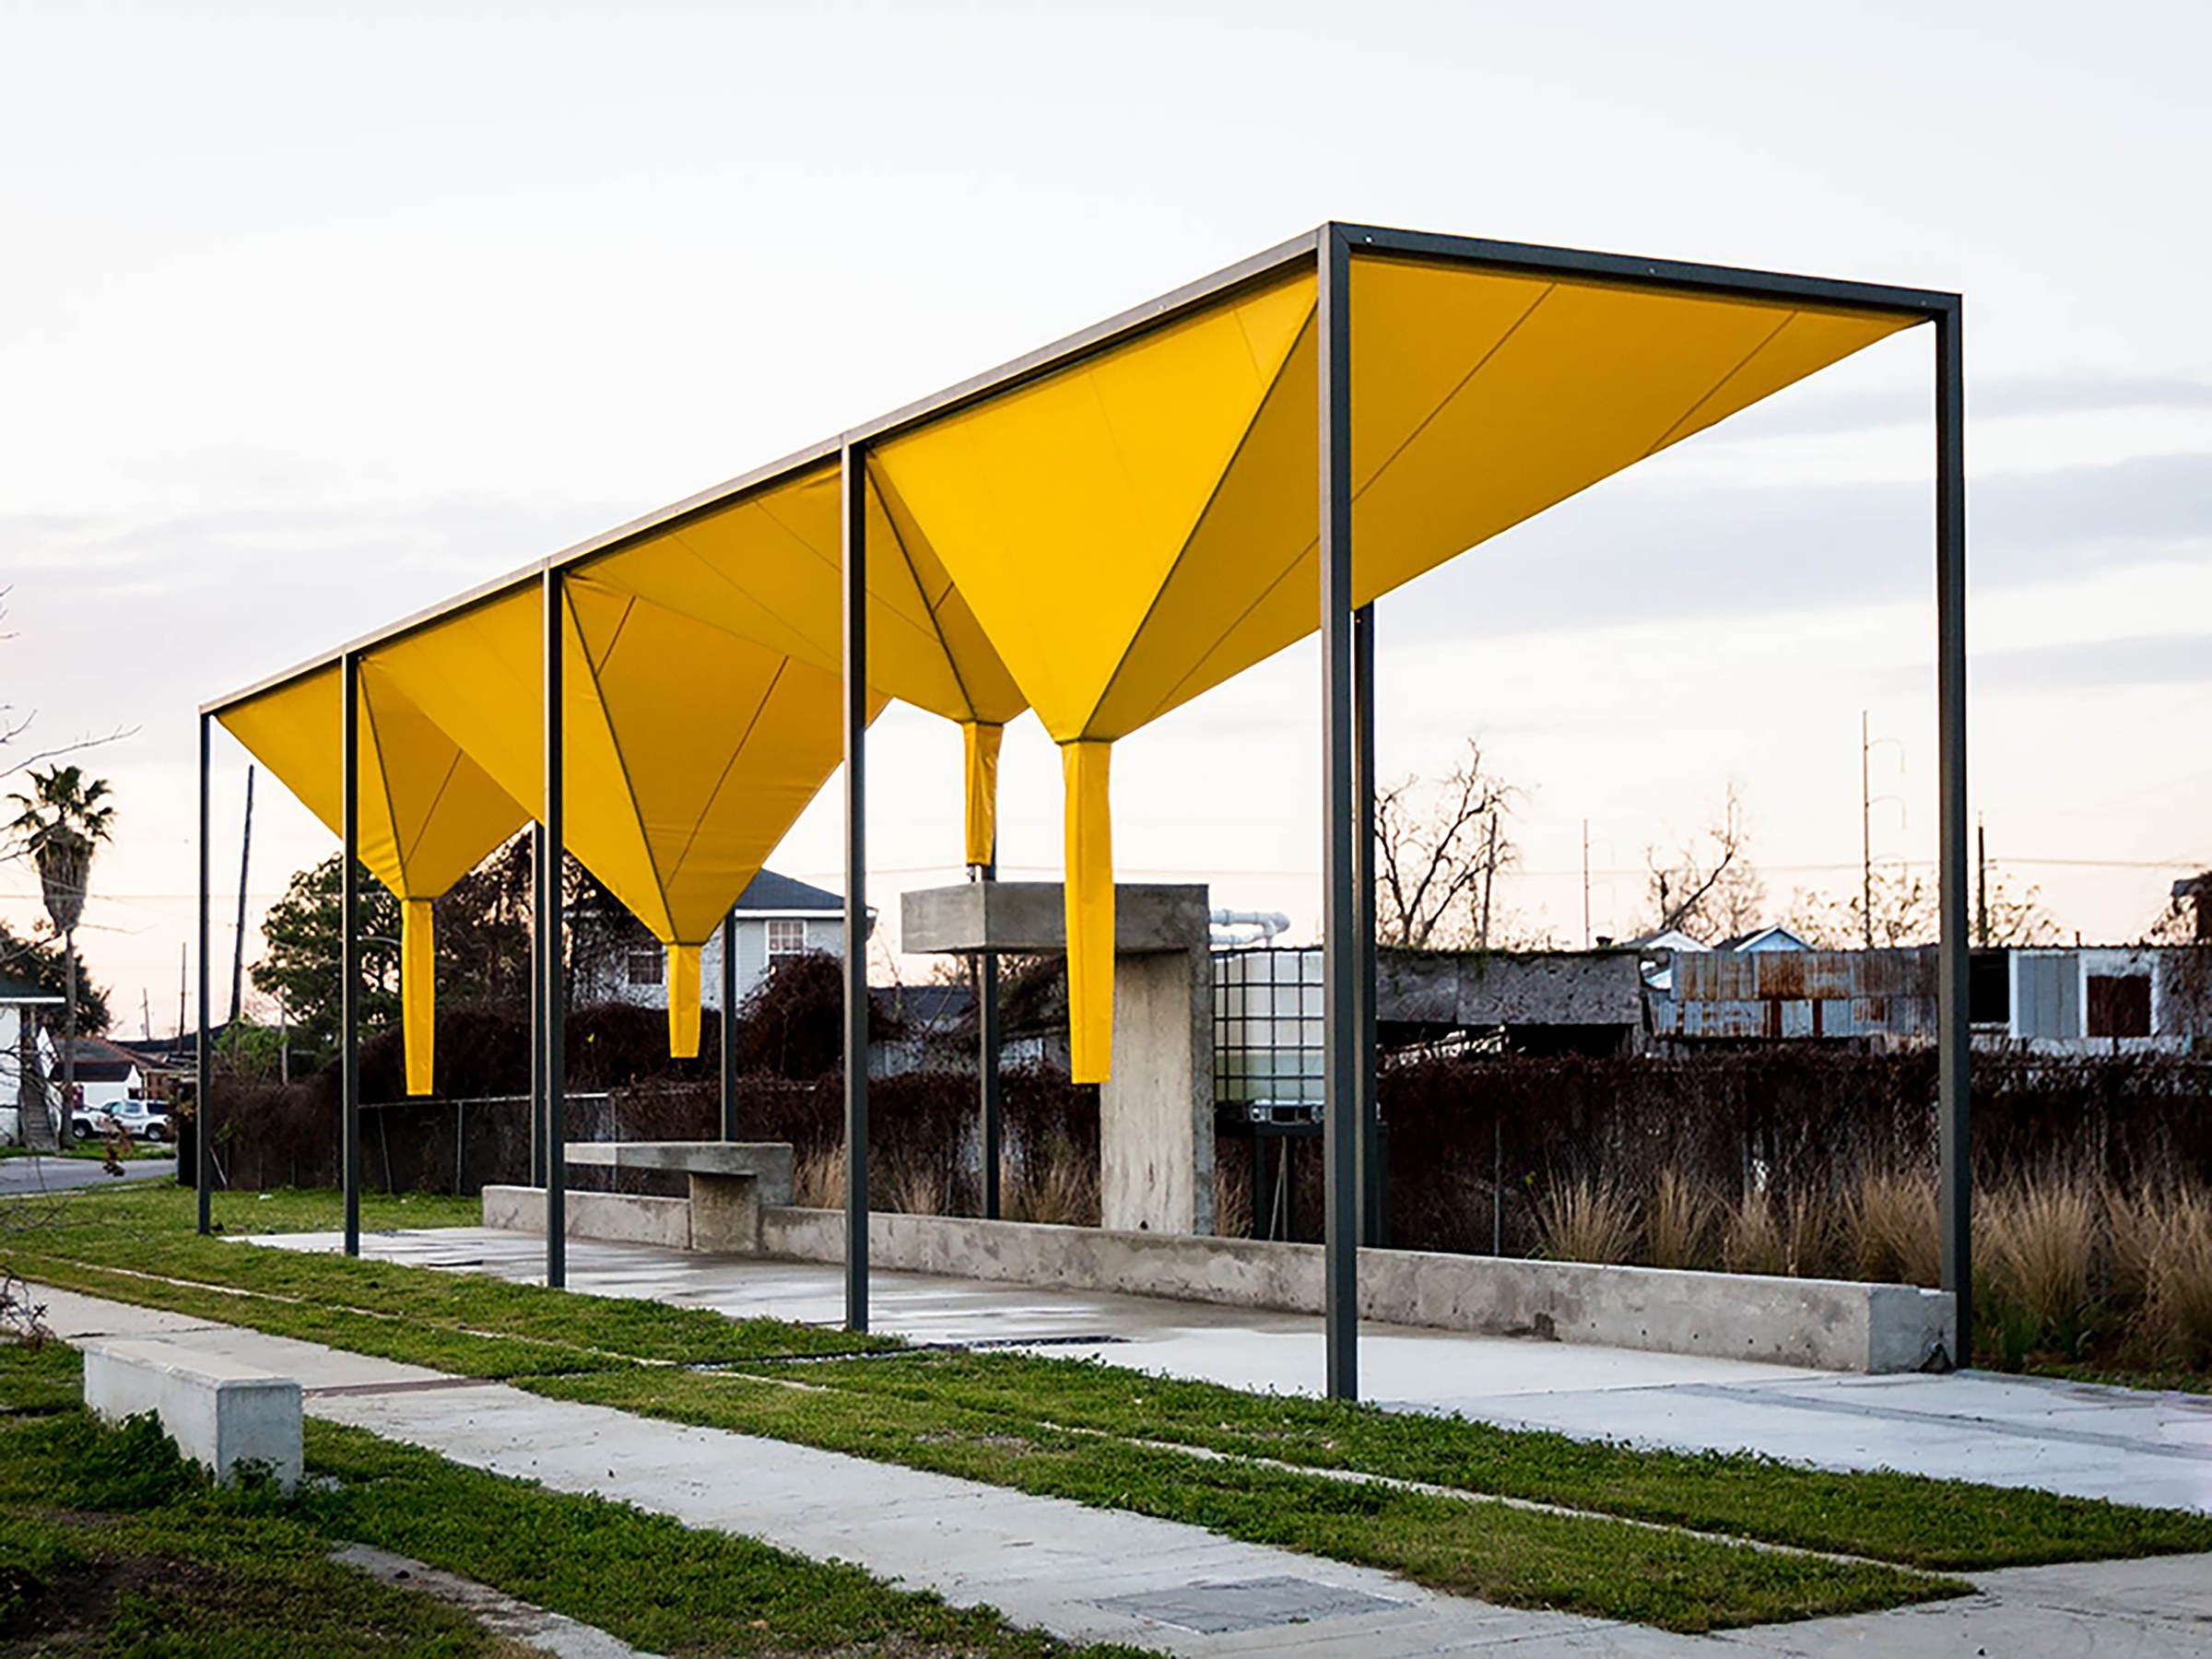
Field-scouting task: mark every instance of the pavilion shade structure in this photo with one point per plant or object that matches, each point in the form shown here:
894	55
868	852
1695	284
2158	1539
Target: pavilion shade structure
689	752
428	812
764	568
1137	527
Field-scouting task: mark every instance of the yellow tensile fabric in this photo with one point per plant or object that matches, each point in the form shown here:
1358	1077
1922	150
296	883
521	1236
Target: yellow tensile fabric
765	568
1139	526
689	752
428	812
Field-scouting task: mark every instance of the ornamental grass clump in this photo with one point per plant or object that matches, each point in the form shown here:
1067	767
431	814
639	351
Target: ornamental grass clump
1893	1227
1680	1221
1587	1220
2041	1242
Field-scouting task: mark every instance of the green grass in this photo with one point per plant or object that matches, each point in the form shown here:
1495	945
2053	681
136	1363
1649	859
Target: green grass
107	1529
1183	1450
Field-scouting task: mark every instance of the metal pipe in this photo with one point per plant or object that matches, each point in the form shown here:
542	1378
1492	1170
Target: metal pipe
349	946
990	1098
1372	1189
1340	953
728	1029
1953	1055
203	1140
549	927
539	878
853	518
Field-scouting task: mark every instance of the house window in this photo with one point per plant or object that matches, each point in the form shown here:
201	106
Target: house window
2120	1005
642	966
786	939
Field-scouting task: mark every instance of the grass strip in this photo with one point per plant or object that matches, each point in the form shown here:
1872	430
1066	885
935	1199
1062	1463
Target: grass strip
107	1539
1947	1526
1606	1568
933	1410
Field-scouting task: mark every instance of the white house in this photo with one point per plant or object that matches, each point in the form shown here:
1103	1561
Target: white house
18	1002
777	917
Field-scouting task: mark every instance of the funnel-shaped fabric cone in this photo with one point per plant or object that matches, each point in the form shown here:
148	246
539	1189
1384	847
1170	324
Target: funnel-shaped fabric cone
683	1002
1089	829
982	742
1139	526
428	812
689	752
418	992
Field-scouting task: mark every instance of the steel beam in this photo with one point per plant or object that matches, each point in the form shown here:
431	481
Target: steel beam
990	1096
539	878
1375	1197
203	1140
1953	1053
854	520
549	927
727	1031
1340	909
349	945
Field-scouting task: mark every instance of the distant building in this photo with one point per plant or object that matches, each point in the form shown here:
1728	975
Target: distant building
618	960
19	1002
106	1074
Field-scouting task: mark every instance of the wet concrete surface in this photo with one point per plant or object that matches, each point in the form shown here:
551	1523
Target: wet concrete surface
2125	1444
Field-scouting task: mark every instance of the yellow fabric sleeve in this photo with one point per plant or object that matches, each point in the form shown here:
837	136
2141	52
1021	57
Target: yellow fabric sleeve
418	993
683	1002
983	739
1089	897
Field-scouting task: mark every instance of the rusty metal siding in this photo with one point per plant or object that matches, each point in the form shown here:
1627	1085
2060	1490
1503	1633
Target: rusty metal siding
1798	994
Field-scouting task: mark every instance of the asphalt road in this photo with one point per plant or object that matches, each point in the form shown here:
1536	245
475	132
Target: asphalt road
37	1174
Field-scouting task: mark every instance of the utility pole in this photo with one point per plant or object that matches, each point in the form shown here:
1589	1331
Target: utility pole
1980	882
183	963
145	1015
238	953
1585	884
1867	826
1490	874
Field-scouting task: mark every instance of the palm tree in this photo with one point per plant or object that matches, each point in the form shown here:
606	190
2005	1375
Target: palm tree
63	821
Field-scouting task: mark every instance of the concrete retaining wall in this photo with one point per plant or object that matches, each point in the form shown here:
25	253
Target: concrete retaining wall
620	1217
1828	1325
1824	1324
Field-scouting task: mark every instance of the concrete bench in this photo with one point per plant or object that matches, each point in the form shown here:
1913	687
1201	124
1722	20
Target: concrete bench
730	1181
223	1414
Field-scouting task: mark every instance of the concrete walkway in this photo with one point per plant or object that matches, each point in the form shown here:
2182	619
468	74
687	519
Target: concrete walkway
1101	1575
2125	1444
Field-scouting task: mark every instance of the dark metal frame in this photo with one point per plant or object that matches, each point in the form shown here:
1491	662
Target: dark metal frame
1354	1208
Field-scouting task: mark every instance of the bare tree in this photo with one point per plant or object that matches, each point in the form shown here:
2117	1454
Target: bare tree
1438	851
1708	885
1906	912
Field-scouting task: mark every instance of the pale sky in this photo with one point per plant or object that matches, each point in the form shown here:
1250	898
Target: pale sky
313	316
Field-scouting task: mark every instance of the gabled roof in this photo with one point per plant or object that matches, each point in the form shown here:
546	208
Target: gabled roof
14	991
1764	938
769	891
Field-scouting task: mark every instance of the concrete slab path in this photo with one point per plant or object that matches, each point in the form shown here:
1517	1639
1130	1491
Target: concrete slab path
2125	1444
1100	1575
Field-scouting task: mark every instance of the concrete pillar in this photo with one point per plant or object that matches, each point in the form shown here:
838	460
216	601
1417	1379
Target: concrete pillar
1155	1115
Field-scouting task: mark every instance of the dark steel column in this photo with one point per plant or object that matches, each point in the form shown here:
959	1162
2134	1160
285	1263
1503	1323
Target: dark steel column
854	518
1375	1197
1954	1057
539	878
349	946
550	926
203	1140
1340	909
990	1098
729	1024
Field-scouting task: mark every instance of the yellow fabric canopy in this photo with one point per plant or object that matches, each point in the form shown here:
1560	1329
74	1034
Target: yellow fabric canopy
1135	528
689	752
1102	539
428	812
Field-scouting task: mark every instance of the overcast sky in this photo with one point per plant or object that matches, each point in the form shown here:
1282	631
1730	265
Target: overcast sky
313	316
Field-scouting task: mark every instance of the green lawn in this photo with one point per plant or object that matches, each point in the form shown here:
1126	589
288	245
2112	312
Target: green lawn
110	1543
1184	1451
